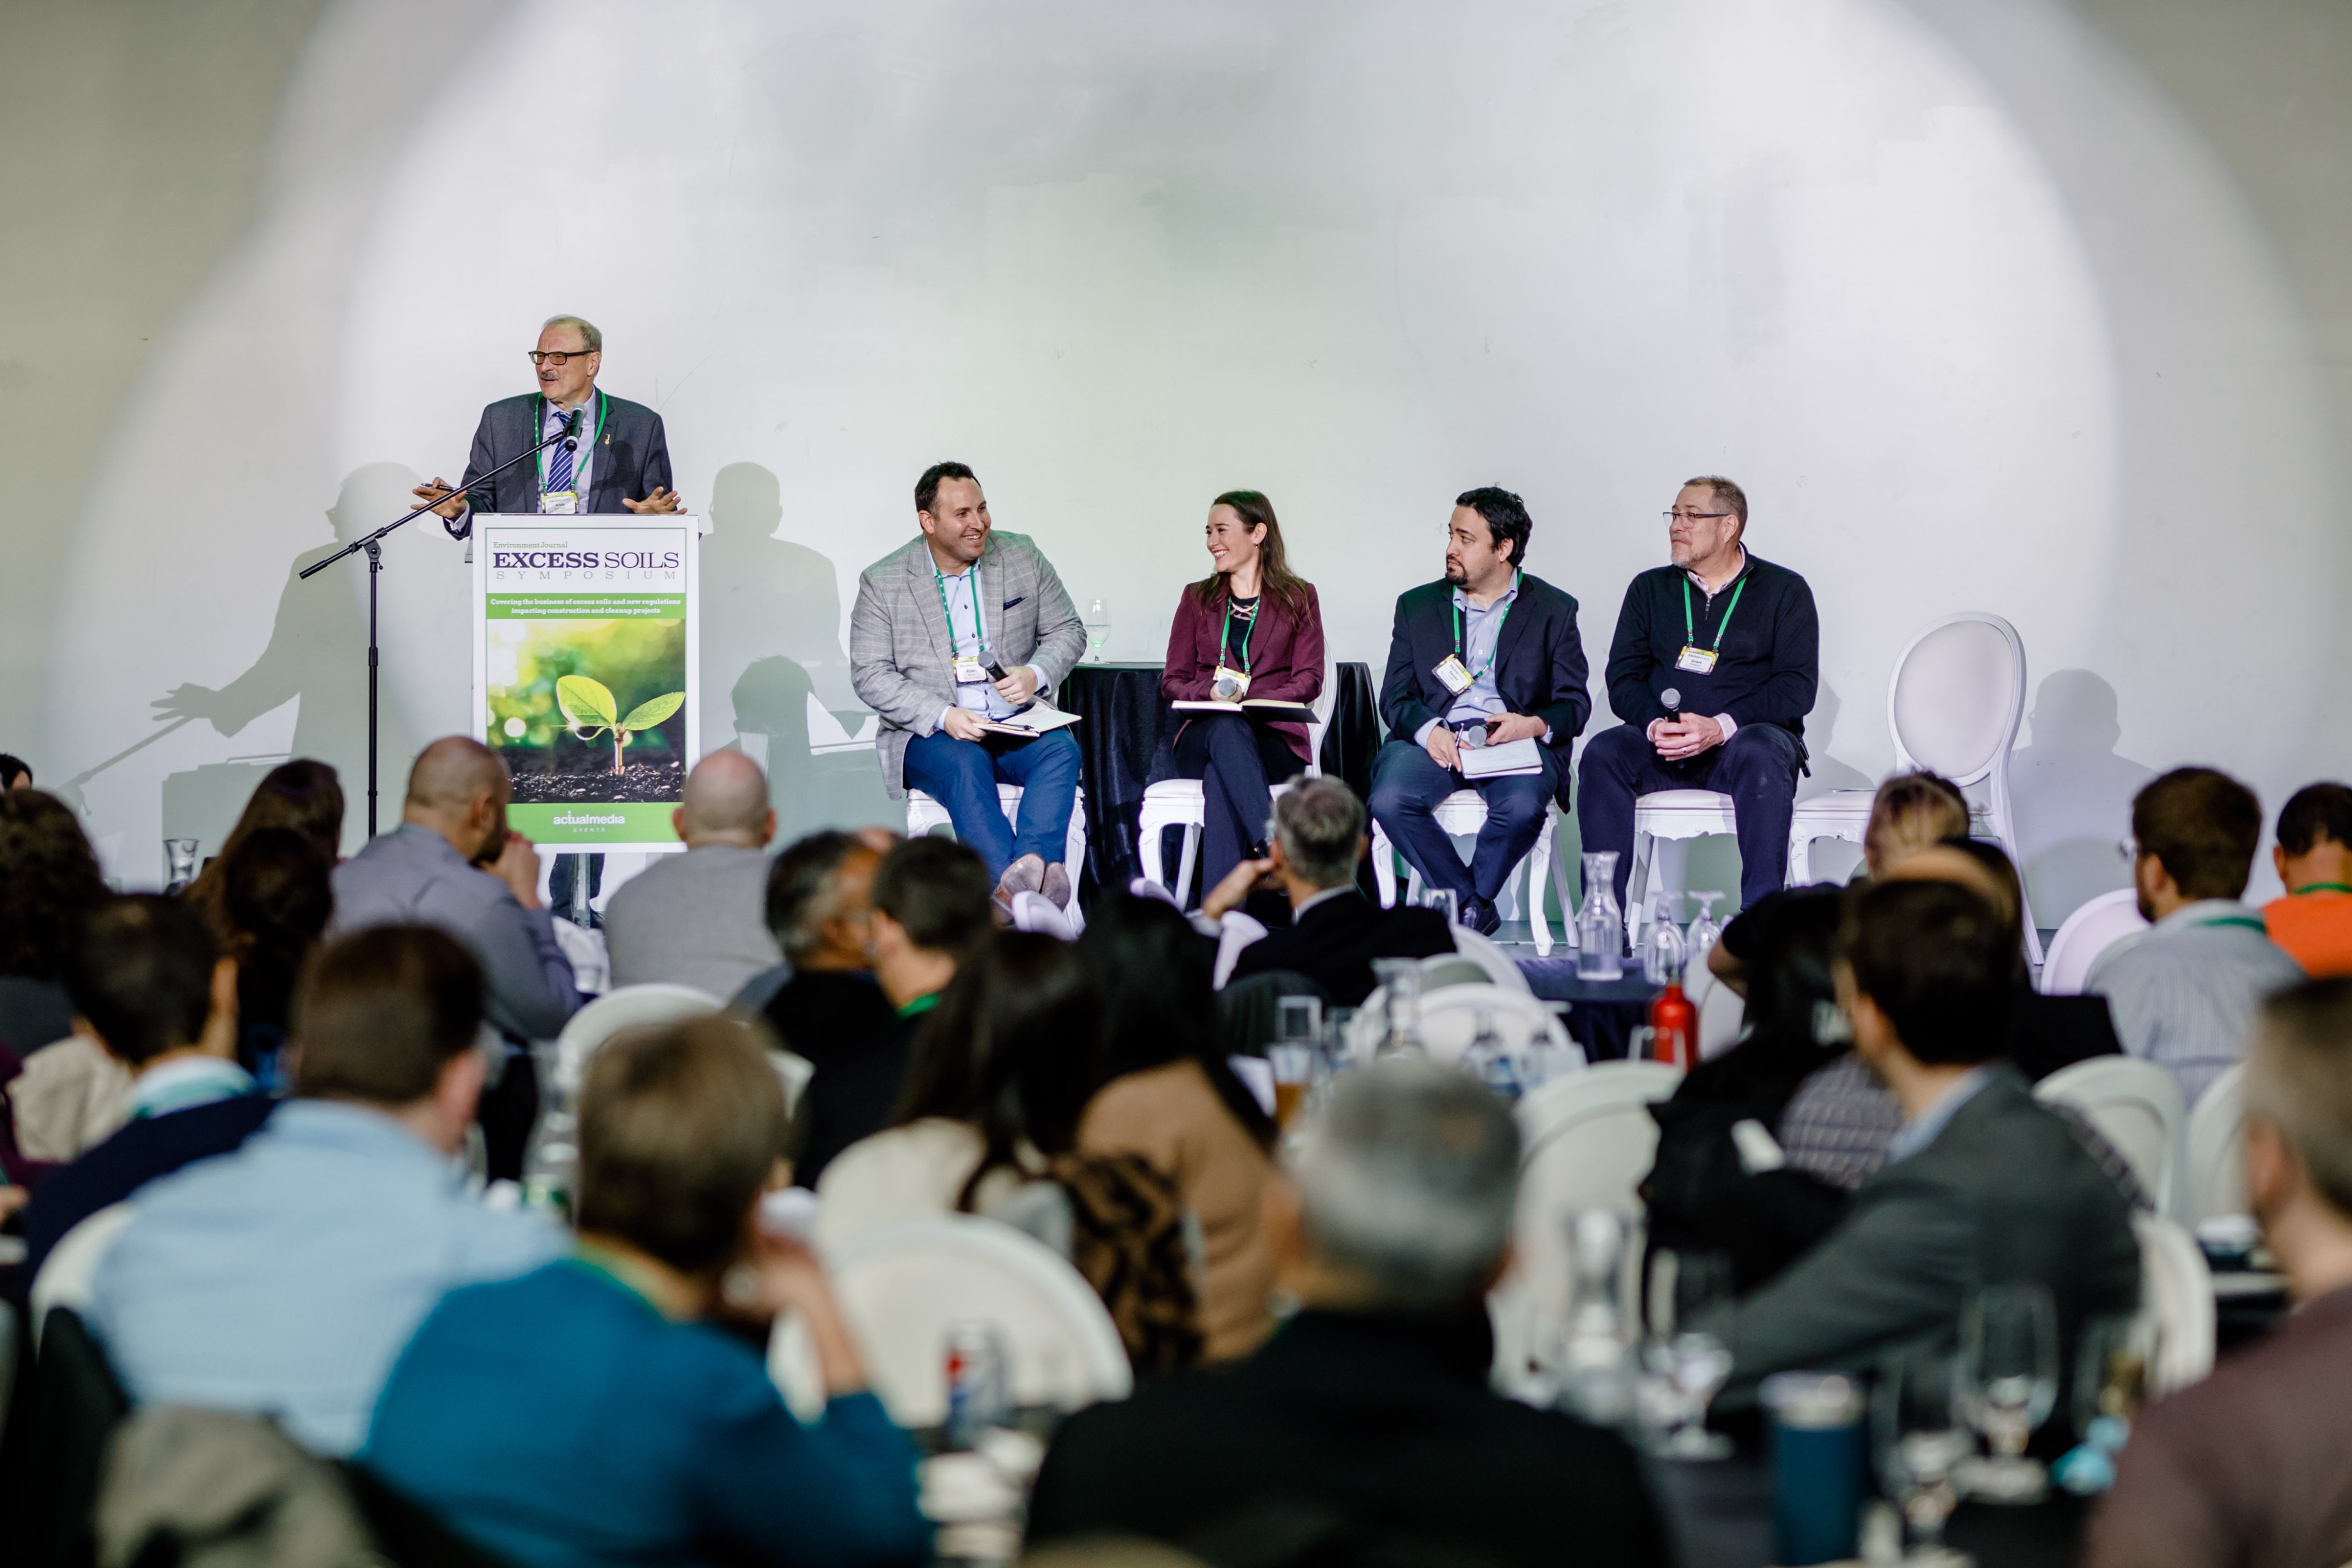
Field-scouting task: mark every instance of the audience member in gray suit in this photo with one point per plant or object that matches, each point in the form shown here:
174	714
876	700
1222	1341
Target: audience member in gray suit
1981	1185
701	918
961	626
429	871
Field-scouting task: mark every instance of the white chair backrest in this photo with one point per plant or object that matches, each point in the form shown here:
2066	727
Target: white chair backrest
2094	927
1722	1013
1235	931
1957	693
1320	725
1491	957
2136	1107
795	1070
1037	913
1449	1020
1144	888
68	1272
903	1288
2215	1179
2176	1304
631	1006
1585	1142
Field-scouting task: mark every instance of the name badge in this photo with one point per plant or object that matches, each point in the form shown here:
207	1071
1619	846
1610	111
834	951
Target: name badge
560	503
968	672
1697	661
1452	676
1230	685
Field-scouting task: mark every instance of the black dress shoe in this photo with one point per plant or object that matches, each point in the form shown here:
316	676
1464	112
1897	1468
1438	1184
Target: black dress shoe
1481	915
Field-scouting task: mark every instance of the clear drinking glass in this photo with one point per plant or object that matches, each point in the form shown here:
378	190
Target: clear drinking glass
1662	952
1293	1077
1704	932
1098	630
1600	923
1920	1445
179	864
1692	1359
2008	1383
1400	985
1492	1058
1596	1366
1441	900
1298	1020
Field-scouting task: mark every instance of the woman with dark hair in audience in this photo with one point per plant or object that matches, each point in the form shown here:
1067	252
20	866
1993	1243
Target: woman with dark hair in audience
1169	1096
303	796
1002	1070
1252	629
48	881
594	1412
276	897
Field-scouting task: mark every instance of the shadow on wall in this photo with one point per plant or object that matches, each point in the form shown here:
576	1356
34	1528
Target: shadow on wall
2073	794
775	680
316	657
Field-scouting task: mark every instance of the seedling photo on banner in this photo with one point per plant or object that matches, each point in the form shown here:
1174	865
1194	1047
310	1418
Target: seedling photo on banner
585	665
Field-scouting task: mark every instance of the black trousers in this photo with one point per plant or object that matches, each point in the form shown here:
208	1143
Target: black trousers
1238	764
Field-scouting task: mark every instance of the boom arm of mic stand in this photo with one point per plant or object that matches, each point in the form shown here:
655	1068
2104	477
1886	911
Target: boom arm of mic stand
358	545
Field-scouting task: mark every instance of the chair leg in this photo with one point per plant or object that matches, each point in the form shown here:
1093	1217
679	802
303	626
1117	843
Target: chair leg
1801	858
1537	864
1187	858
1637	883
1148	853
1383	866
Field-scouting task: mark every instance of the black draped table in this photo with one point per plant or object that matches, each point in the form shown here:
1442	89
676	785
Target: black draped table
1127	730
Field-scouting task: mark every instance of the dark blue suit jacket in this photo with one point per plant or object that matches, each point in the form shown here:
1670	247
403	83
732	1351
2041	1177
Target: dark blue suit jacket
1539	668
632	457
137	1154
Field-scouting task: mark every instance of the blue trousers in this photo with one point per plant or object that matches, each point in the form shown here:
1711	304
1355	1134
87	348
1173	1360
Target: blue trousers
963	776
1756	767
1238	764
1407	786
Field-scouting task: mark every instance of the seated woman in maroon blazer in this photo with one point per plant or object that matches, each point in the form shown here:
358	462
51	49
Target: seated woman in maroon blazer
1250	629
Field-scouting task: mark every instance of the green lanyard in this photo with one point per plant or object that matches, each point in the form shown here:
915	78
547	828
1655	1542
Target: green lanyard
2248	921
979	627
1462	648
1224	638
604	412
1690	635
2320	887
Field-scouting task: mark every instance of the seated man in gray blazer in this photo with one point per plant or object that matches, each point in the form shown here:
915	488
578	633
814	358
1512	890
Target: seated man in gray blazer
962	627
1982	1185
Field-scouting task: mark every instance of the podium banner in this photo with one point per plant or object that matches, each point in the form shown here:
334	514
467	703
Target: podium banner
586	635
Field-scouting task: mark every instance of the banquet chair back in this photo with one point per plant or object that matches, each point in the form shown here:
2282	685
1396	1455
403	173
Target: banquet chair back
2137	1108
1450	1017
1463	814
71	1267
2094	927
1490	955
1035	913
795	1070
2176	1304
926	814
2216	1180
1722	1014
903	1288
1235	931
631	1006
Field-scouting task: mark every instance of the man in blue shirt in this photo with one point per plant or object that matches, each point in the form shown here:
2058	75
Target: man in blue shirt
282	1279
1713	666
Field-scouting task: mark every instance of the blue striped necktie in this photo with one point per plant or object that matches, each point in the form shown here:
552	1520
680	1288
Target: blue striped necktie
559	466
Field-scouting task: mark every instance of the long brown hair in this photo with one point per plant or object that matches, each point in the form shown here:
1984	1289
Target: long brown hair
1274	573
303	795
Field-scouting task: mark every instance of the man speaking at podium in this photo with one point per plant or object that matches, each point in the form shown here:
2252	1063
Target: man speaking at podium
621	464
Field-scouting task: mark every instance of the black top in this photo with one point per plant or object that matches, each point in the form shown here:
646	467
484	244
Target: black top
845	1027
1769	658
1334	944
33	1013
1237	626
1540	667
136	1155
632	457
1352	1437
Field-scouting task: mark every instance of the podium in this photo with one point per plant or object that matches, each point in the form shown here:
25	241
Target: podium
587	635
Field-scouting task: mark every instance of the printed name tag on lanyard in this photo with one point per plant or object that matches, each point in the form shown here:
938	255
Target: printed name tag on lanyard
1697	661
559	503
1452	674
1230	685
968	672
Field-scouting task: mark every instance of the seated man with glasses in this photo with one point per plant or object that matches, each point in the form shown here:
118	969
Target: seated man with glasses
1487	657
1713	670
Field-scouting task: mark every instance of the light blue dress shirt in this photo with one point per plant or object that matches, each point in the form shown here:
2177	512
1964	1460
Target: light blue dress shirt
285	1279
964	619
1481	631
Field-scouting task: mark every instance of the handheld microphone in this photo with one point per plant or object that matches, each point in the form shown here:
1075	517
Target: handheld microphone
571	430
1674	700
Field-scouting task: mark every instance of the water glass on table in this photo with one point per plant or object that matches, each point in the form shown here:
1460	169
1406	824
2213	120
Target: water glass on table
1690	1360
1441	900
2008	1384
1920	1443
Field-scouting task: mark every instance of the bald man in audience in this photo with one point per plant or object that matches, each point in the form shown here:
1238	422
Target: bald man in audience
453	864
699	919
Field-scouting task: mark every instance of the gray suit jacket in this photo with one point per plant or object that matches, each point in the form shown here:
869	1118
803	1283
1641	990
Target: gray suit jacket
411	877
2005	1194
632	458
696	919
900	661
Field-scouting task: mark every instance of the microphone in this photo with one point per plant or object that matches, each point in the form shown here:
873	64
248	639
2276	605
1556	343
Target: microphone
1674	700
571	431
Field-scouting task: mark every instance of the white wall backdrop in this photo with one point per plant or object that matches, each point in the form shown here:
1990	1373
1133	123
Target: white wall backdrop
1963	304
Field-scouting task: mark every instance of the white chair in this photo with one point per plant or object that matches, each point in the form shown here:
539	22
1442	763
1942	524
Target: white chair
2176	1304
1490	955
2216	1180
631	1006
1235	931
1954	706
925	814
902	1289
1449	1020
795	1070
1179	803
1722	1014
71	1267
1462	814
2136	1107
2078	942
1144	888
1037	913
1668	814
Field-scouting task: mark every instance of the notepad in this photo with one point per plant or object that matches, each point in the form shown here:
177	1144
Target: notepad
1511	758
1036	719
1263	710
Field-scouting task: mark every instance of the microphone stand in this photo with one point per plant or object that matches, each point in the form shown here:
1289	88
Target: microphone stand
373	545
